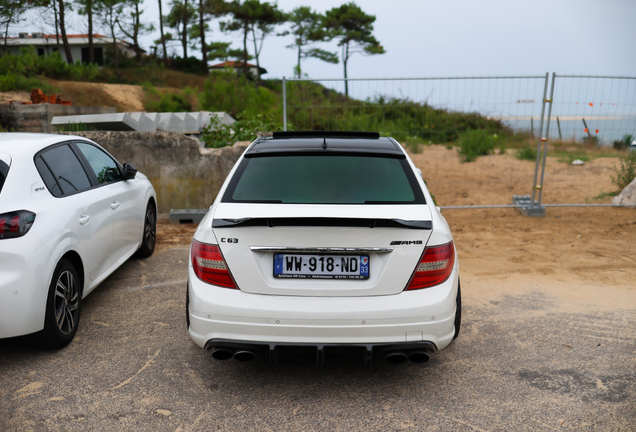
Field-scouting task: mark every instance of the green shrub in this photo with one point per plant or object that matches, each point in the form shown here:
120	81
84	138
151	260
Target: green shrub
624	142
53	65
475	143
527	153
246	128
83	71
169	102
232	93
627	171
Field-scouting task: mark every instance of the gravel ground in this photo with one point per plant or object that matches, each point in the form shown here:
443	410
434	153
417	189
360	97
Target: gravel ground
547	343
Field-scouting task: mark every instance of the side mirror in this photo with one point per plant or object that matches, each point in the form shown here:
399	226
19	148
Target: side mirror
129	171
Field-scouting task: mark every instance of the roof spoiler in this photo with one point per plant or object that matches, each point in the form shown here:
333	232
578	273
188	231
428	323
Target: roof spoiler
326	134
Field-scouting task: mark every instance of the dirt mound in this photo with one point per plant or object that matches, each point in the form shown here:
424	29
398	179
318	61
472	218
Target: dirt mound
124	97
19	96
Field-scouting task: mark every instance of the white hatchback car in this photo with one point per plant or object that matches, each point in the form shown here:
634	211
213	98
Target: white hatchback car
323	241
70	215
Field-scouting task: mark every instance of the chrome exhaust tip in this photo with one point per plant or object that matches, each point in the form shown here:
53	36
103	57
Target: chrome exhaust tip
244	355
396	357
221	353
418	356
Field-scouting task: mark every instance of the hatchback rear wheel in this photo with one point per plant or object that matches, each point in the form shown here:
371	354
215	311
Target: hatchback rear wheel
62	308
150	232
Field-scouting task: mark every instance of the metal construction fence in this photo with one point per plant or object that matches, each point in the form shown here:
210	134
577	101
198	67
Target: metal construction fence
518	119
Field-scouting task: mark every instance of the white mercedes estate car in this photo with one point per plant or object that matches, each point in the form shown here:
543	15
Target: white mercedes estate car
70	215
323	241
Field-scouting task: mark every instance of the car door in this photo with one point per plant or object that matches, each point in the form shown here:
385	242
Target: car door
126	199
84	209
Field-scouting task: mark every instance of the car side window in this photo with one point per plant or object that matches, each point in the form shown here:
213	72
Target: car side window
61	171
104	167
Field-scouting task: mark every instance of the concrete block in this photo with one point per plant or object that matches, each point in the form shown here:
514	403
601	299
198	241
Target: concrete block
112	122
144	123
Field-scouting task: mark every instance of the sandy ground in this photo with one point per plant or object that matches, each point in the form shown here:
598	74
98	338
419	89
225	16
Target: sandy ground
494	179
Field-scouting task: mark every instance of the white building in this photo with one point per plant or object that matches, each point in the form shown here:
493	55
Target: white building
46	44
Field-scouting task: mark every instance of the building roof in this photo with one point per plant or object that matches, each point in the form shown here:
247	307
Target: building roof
73	39
52	36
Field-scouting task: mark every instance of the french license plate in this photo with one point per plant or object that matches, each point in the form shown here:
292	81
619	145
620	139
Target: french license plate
321	266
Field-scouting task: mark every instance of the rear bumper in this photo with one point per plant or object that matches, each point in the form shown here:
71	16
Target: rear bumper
273	349
416	316
24	276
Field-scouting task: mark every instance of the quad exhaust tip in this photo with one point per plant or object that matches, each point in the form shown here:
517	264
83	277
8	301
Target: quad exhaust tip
221	353
414	356
396	357
244	355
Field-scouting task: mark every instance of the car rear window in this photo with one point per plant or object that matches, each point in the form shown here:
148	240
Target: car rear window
61	171
328	179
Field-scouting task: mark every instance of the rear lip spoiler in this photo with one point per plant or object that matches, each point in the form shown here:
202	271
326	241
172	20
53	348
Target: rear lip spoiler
348	222
331	250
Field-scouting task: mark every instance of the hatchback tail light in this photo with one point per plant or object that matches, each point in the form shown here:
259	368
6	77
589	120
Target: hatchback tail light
16	224
434	267
209	265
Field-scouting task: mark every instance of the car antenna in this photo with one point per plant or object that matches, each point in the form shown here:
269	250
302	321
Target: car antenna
324	144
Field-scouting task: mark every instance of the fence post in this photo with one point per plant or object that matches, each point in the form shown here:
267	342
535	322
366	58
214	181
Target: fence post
284	104
530	207
546	139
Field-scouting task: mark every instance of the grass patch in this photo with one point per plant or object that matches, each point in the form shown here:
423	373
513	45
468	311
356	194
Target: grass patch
626	173
607	195
526	153
475	143
157	101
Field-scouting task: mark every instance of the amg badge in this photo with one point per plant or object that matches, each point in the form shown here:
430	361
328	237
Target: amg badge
406	242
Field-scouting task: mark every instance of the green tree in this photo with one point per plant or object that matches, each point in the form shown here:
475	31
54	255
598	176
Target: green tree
11	12
267	17
133	27
307	29
163	36
222	50
62	21
86	8
181	18
110	12
207	10
255	18
353	28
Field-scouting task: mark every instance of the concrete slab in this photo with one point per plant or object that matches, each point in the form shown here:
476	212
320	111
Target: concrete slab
183	122
112	122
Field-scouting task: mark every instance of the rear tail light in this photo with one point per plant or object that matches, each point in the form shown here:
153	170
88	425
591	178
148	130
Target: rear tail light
434	267
209	265
16	224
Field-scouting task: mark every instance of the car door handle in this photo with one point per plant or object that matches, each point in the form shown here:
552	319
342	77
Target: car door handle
115	205
84	218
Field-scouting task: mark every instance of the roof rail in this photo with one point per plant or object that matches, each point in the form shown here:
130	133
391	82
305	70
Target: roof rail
326	134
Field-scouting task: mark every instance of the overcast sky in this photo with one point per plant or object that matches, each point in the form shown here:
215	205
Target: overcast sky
426	38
